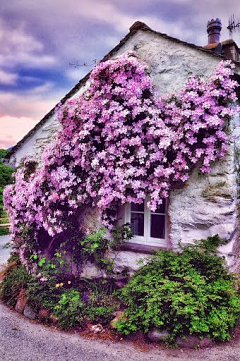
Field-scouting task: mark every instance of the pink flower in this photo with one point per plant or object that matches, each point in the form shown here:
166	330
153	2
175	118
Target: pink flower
119	142
43	279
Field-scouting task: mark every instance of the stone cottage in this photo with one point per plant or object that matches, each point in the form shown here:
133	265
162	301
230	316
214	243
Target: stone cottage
207	204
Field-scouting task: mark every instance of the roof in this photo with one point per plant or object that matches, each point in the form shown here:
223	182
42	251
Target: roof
223	43
138	25
227	48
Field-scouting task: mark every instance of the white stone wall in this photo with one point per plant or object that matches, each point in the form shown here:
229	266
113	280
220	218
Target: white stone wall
207	205
236	136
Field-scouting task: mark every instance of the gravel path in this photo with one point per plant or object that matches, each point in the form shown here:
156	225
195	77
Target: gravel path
25	340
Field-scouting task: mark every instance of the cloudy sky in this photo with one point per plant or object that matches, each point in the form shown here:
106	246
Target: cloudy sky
40	40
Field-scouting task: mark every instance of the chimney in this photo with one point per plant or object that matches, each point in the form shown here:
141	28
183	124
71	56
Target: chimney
214	28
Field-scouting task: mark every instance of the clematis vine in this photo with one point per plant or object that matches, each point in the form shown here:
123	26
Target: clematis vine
120	142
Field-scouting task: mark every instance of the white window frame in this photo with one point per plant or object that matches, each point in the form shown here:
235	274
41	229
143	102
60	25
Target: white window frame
146	239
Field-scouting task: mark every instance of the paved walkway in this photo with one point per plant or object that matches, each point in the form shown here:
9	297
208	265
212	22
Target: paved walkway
4	253
25	340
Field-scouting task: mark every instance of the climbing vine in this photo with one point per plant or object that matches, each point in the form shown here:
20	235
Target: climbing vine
119	142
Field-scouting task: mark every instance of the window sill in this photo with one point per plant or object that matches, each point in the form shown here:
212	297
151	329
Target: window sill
143	248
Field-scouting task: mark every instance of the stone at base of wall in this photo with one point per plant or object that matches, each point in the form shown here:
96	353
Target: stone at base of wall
123	261
126	260
194	342
191	341
29	313
21	301
91	271
156	335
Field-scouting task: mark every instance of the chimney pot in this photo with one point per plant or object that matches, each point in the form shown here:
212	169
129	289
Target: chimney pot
214	27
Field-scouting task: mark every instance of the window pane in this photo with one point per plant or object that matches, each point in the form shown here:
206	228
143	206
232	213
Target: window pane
137	207
137	224
157	226
161	207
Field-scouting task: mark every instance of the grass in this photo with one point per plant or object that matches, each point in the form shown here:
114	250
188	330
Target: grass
4	231
4	221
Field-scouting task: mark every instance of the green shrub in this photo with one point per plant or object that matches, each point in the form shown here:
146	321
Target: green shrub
100	301
75	301
90	302
184	293
69	309
43	294
39	294
15	279
94	247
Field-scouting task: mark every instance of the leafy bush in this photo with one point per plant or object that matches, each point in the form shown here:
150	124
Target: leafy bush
100	301
43	294
94	247
69	309
15	279
74	302
90	302
185	293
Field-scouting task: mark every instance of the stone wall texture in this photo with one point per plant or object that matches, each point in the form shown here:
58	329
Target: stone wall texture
208	204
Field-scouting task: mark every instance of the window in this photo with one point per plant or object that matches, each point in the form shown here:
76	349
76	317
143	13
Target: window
148	227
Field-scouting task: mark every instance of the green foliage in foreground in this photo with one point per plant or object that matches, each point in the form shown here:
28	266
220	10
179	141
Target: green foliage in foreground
16	278
5	177
74	302
75	308
184	293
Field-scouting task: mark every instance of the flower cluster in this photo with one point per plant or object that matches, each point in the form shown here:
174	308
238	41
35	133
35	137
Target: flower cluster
119	143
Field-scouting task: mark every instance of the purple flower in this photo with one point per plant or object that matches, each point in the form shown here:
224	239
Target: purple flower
85	297
118	143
